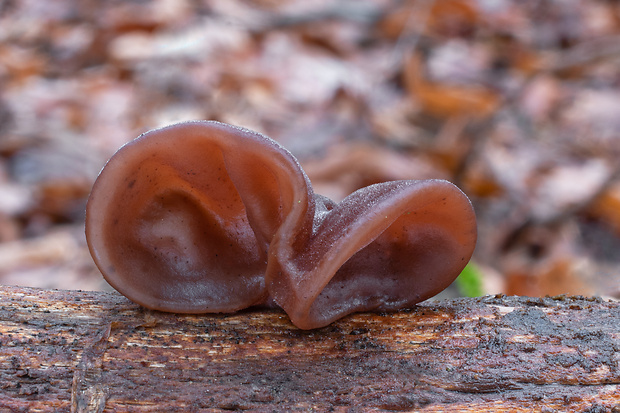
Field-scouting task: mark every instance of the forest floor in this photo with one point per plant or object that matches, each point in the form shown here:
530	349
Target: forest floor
518	103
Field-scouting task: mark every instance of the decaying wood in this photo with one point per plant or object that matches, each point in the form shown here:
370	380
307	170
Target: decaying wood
93	351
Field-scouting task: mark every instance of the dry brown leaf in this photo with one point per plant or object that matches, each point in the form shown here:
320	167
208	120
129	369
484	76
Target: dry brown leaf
606	207
543	261
21	63
552	278
453	17
444	100
480	182
445	18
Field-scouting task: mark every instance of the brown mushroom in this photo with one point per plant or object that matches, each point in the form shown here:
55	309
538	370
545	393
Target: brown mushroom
384	247
181	218
206	217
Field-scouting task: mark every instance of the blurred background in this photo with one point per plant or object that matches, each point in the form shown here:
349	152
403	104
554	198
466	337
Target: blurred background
518	103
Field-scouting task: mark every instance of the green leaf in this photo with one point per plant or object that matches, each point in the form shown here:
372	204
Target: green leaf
469	282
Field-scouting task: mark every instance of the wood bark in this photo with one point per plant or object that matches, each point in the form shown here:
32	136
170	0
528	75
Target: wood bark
98	352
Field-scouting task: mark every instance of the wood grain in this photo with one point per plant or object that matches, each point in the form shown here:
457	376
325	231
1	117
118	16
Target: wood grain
94	351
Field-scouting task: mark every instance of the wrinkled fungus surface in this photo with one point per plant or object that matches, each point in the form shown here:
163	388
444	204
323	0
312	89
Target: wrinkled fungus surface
203	217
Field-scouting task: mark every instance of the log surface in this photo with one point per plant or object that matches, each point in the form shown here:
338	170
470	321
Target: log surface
94	351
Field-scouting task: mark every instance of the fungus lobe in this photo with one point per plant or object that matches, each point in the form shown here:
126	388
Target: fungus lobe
202	217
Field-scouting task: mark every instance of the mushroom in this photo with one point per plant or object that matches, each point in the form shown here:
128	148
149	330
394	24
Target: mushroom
385	247
181	218
203	217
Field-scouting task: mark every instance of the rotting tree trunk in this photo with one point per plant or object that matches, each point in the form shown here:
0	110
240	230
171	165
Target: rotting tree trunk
93	351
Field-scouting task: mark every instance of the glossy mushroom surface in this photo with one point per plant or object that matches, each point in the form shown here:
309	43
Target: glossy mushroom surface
384	247
181	218
205	217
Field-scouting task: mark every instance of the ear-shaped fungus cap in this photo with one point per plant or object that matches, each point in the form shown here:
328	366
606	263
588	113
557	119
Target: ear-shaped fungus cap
206	217
384	247
181	218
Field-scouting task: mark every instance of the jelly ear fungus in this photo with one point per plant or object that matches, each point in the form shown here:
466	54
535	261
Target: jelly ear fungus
181	218
205	217
384	247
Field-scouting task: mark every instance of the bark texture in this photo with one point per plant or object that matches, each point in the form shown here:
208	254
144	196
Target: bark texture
96	352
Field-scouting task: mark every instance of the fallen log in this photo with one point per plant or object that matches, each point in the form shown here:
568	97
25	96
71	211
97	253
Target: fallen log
95	351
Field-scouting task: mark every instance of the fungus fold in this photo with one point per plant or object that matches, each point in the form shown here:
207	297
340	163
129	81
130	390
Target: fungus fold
204	217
